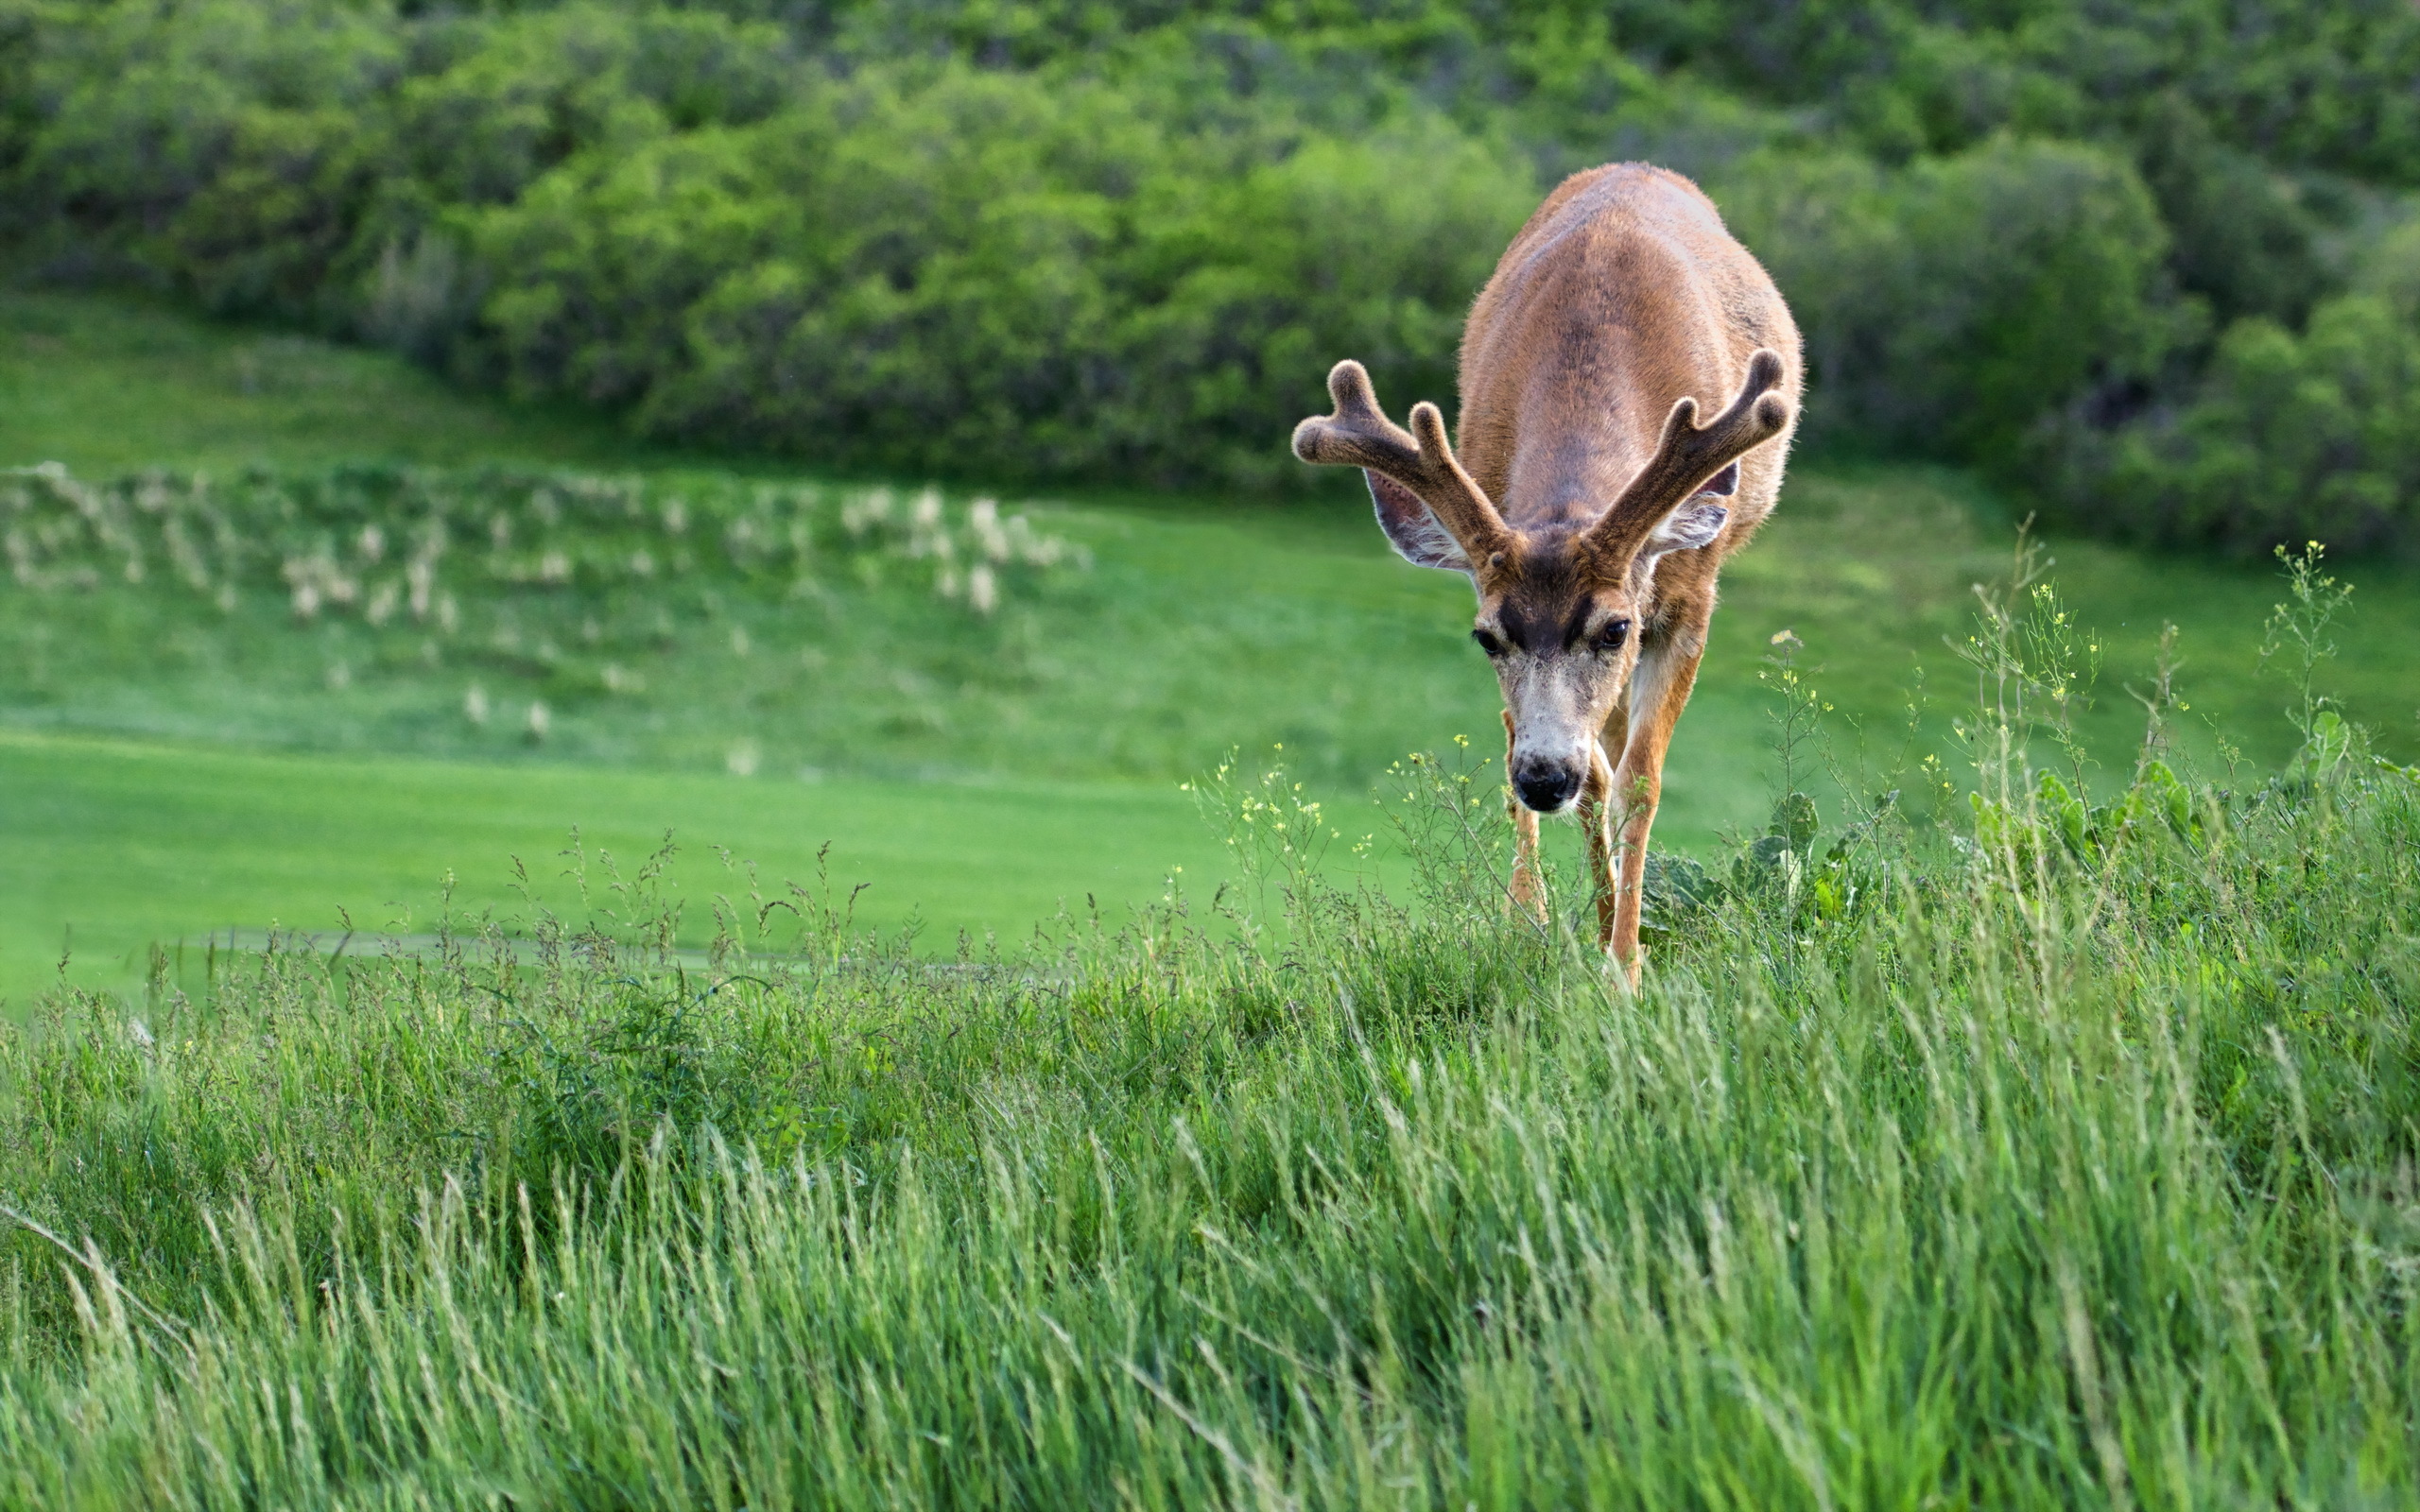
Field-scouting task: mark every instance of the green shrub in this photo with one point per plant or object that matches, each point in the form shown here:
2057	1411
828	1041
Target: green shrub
1045	239
2288	438
988	277
2243	237
1948	304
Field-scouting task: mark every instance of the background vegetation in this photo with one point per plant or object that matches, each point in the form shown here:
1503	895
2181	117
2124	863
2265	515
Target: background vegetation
2150	264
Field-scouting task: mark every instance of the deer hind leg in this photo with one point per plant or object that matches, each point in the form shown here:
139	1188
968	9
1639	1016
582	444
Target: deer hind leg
1528	891
1659	690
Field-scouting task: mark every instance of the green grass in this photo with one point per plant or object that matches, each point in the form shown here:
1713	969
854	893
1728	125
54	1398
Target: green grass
106	384
107	846
2019	1177
2051	1155
1206	624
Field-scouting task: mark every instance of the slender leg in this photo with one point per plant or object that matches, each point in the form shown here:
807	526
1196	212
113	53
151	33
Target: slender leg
1598	820
1529	893
1659	690
1595	817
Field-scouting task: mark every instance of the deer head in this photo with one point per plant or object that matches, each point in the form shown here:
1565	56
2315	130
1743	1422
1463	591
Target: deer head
1559	607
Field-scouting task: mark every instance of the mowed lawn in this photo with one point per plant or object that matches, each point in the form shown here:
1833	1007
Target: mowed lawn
107	846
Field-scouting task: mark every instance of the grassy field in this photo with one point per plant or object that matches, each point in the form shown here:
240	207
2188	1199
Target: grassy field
2070	1168
123	844
2039	1151
874	709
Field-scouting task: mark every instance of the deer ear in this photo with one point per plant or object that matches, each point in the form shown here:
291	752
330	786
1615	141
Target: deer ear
1724	483
1414	532
1693	525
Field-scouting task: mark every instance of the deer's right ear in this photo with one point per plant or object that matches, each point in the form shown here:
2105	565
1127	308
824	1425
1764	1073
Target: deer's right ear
1415	533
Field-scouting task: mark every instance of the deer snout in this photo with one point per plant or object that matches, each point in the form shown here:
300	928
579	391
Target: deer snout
1547	784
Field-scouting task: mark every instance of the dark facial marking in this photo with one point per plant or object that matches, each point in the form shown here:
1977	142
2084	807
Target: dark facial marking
1577	625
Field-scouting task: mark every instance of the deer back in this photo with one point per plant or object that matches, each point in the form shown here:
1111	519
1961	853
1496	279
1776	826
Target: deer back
1621	296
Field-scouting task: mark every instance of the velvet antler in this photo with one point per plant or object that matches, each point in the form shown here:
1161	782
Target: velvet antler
1687	457
1359	435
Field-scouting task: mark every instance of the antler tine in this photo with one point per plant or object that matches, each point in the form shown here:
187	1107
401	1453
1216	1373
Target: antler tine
1686	455
1359	435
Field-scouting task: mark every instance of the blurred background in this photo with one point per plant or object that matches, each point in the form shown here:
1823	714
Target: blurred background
853	435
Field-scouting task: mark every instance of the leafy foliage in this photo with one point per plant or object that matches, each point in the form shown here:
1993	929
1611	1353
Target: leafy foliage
2287	436
1049	239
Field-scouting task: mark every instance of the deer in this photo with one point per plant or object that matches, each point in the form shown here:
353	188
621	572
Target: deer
1580	496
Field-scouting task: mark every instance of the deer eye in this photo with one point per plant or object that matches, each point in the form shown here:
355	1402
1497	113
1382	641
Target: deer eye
1613	635
1488	641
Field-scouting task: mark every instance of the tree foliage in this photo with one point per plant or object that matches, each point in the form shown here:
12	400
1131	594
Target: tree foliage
1043	237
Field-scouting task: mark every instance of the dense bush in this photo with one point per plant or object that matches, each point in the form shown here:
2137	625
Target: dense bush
2317	434
986	274
1045	238
1946	304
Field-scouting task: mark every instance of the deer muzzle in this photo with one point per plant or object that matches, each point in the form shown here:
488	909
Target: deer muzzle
1548	784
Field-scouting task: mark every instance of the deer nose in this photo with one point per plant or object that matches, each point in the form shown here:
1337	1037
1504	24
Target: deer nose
1545	785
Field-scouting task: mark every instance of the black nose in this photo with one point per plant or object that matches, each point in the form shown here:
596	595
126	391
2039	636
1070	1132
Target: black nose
1546	786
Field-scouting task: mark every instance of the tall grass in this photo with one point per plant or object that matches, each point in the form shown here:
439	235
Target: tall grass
2064	1159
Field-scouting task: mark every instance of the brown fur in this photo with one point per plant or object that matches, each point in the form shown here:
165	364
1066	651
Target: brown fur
1620	306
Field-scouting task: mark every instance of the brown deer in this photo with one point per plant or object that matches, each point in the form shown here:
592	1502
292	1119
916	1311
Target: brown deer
1589	508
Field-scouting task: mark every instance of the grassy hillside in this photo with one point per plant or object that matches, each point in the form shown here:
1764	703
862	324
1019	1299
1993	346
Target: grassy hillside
1209	621
1203	624
106	385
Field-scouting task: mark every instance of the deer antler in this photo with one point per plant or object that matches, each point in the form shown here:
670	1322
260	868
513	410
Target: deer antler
1687	455
1359	435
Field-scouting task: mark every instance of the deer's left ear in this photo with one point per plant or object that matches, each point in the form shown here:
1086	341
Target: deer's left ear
1693	525
1416	533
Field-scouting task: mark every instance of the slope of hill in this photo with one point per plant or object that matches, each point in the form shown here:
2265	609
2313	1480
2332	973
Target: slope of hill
1203	624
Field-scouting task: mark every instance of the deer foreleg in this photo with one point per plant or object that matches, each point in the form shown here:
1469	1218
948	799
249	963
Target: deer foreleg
1595	817
1528	894
1659	690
